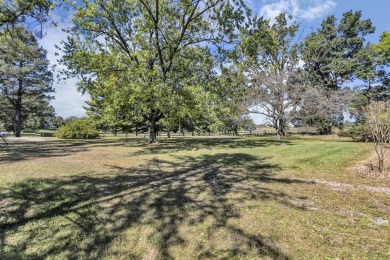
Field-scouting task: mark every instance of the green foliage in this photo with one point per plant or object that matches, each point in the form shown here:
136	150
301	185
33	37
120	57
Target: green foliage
35	13
77	129
373	59
383	47
25	79
152	63
335	54
54	122
359	131
247	124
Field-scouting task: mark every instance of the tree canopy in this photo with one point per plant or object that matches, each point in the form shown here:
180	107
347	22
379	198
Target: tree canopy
148	55
25	80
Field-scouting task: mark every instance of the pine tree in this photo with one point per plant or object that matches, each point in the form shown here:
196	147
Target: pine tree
25	79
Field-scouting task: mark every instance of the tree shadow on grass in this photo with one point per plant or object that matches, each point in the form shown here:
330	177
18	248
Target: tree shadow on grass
24	150
29	150
166	205
194	143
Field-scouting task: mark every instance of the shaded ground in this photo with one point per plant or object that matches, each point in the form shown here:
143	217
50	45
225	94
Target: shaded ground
183	199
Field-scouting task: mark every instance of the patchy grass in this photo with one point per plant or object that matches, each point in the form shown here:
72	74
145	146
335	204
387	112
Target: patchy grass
205	197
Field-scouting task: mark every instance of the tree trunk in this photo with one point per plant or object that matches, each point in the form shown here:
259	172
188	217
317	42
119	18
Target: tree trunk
329	130
235	130
179	126
152	132
18	110
326	130
153	128
18	122
381	165
280	133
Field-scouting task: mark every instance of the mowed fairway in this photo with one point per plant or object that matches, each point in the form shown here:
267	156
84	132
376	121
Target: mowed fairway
191	198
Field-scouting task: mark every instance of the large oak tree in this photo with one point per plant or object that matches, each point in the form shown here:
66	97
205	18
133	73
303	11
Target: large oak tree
137	51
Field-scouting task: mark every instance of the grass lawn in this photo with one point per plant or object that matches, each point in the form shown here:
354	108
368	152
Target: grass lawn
247	197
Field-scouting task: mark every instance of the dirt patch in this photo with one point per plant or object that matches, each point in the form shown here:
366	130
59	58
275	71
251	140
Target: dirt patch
380	221
355	214
375	189
344	186
25	139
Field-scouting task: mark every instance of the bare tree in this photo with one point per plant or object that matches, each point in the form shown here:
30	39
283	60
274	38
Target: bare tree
268	55
322	108
276	96
378	117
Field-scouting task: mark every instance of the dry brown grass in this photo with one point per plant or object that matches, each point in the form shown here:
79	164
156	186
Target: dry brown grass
190	198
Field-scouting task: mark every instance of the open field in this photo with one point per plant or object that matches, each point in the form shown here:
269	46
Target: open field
248	197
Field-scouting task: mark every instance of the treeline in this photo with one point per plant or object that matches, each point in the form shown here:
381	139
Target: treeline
203	65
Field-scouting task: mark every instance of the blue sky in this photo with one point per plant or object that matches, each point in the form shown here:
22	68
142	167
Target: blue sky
69	102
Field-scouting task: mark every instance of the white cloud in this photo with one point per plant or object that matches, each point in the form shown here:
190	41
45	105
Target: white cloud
300	9
68	101
317	10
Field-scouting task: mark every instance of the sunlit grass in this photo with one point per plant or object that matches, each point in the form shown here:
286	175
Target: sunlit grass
189	197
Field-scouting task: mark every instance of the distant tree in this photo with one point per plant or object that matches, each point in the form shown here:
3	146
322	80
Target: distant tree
58	121
25	80
69	119
54	121
246	123
322	109
40	118
358	131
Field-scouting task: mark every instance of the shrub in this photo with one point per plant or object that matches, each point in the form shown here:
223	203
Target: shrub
77	129
359	131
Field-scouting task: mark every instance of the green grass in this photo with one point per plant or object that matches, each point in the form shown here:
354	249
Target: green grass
188	198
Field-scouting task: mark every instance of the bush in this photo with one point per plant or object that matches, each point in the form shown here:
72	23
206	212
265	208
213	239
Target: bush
77	129
359	131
